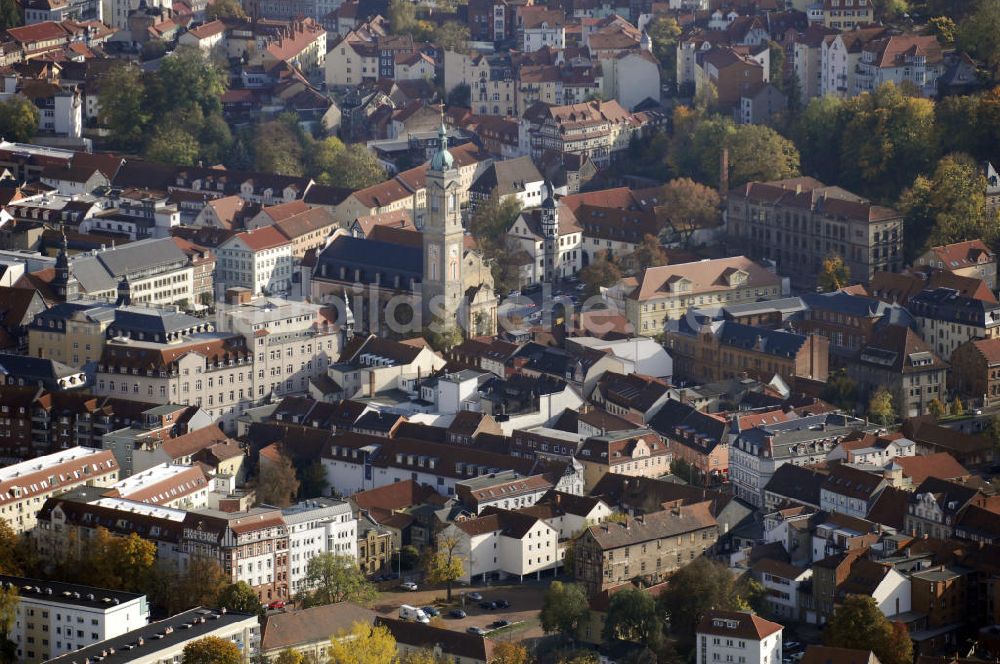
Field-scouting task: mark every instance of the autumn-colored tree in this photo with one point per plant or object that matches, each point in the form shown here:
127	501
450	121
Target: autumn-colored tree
979	33
445	565
936	408
664	31
363	644
686	206
957	407
835	273
602	272
949	206
211	650
648	253
355	167
510	652
424	656
944	27
289	656
10	559
276	483
173	146
881	409
199	585
335	579
564	608
278	149
452	36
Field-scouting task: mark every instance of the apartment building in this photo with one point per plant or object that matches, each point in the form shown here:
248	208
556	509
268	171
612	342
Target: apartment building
965	259
800	222
661	294
946	319
169	485
211	370
259	260
316	526
52	618
648	547
637	452
759	451
371	364
25	486
598	130
737	636
848	14
164	641
916	60
500	544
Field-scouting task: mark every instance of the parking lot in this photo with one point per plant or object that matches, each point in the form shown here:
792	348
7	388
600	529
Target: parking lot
525	601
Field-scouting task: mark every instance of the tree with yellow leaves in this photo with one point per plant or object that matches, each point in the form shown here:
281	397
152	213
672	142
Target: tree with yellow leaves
835	274
363	644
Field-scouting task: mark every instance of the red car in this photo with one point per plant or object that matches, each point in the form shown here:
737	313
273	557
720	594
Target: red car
277	604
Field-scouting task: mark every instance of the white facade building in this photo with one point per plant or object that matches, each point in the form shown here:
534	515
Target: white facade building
504	544
260	260
739	638
54	618
317	526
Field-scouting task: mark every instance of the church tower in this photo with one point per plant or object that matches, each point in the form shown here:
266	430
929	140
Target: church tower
65	285
442	286
550	229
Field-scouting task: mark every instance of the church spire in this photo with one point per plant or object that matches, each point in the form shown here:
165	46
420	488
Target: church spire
442	160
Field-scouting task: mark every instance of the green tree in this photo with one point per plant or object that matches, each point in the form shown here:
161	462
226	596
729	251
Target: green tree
363	644
460	95
402	16
890	9
664	31
489	224
887	140
215	139
408	557
696	588
355	168
945	28
278	149
445	565
602	272
442	335
276	483
122	109
835	273
10	14
174	146
211	650
220	9
10	545
337	579
322	156
817	133
186	78
564	608
949	206
859	624
18	119
979	33
313	482
239	597
881	409
452	36
632	616
756	153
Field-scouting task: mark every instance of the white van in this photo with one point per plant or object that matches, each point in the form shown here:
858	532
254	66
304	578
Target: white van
407	612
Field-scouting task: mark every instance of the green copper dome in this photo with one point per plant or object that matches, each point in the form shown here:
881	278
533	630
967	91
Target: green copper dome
442	160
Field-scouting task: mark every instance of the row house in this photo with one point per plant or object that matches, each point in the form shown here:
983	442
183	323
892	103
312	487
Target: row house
916	60
212	371
976	370
539	27
758	452
648	547
799	223
636	453
971	258
840	60
25	486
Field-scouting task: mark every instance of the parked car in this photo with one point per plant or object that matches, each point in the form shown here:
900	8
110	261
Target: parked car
503	604
277	604
478	631
431	611
457	613
488	606
497	624
474	596
792	646
407	612
408	585
581	287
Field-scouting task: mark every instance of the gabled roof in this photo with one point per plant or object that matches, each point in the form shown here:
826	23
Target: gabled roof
738	624
291	629
657	525
453	644
899	349
940	464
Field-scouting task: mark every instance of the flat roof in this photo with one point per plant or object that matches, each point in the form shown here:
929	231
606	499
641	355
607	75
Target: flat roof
75	594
